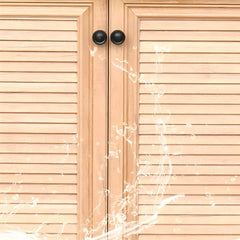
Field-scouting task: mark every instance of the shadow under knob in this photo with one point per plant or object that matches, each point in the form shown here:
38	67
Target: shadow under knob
99	37
118	37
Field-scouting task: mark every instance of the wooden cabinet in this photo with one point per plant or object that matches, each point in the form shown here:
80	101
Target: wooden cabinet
174	119
53	117
140	140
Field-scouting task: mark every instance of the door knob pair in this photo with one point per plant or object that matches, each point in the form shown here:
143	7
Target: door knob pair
100	37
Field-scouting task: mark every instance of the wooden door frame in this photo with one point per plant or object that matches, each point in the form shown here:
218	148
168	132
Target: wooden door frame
93	173
122	110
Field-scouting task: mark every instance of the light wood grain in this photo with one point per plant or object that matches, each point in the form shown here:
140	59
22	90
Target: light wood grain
189	119
206	199
182	24
188	149
38	108
49	169
38	148
153	109
190	210
196	11
188	237
38	168
38	56
189	229
38	24
38	179
183	129
170	140
38	158
188	170
190	160
196	190
188	68
36	67
43	208
53	228
38	128
41	198
38	219
38	97
37	188
208	78
38	138
181	70
193	35
38	46
189	99
38	87
183	47
38	77
193	220
190	88
40	35
37	118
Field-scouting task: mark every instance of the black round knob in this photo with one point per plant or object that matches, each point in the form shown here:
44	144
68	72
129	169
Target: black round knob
99	37
118	37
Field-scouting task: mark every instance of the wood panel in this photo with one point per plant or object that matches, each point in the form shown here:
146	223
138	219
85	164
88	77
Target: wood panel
174	119
50	163
187	237
37	77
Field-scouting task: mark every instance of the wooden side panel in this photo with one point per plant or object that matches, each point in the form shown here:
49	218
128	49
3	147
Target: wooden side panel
48	139
180	108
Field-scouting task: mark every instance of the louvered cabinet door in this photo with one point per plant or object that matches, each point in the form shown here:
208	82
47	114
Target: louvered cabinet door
52	119
174	120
